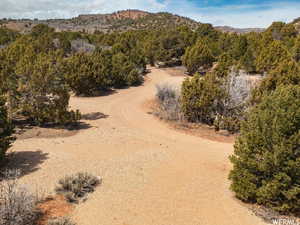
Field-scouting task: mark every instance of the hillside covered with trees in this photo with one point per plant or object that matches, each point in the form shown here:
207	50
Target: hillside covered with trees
117	21
125	20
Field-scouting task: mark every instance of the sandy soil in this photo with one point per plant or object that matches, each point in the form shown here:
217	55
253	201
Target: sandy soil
152	175
54	207
195	129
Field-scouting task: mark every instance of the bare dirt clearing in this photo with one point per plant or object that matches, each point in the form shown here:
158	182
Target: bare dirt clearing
152	175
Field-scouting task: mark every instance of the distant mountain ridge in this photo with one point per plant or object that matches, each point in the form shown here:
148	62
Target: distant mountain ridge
239	30
118	21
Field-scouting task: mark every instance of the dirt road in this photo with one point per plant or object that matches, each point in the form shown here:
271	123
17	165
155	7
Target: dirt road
152	175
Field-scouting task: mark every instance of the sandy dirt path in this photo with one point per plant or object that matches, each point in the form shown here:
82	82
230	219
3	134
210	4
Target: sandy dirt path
152	175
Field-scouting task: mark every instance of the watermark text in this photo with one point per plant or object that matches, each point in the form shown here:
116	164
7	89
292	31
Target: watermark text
285	222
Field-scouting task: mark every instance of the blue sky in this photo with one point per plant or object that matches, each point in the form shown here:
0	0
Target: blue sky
246	13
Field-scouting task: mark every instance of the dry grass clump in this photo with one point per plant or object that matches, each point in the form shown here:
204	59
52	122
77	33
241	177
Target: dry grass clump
168	99
76	187
17	204
60	221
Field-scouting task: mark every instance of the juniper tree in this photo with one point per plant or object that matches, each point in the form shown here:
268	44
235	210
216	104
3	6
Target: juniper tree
286	73
271	56
6	131
44	96
198	56
201	98
266	160
7	36
224	64
239	47
88	74
121	68
247	61
296	50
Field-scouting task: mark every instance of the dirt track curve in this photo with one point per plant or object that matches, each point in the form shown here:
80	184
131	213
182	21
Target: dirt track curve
152	175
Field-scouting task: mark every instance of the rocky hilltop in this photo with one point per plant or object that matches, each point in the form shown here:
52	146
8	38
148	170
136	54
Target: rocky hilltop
296	22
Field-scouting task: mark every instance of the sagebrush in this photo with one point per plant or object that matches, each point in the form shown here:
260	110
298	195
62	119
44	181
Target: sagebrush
60	221
77	186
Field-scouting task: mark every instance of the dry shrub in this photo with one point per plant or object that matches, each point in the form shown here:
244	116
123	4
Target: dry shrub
60	221
17	204
81	45
238	87
76	187
168	98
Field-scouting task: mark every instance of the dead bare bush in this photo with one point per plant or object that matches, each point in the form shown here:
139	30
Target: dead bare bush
17	203
238	87
81	45
168	98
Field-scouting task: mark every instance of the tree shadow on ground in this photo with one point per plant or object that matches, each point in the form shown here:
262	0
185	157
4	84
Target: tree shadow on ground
107	92
94	116
76	126
26	161
25	126
98	93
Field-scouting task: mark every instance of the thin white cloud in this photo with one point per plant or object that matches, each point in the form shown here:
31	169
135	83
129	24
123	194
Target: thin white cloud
44	9
243	15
